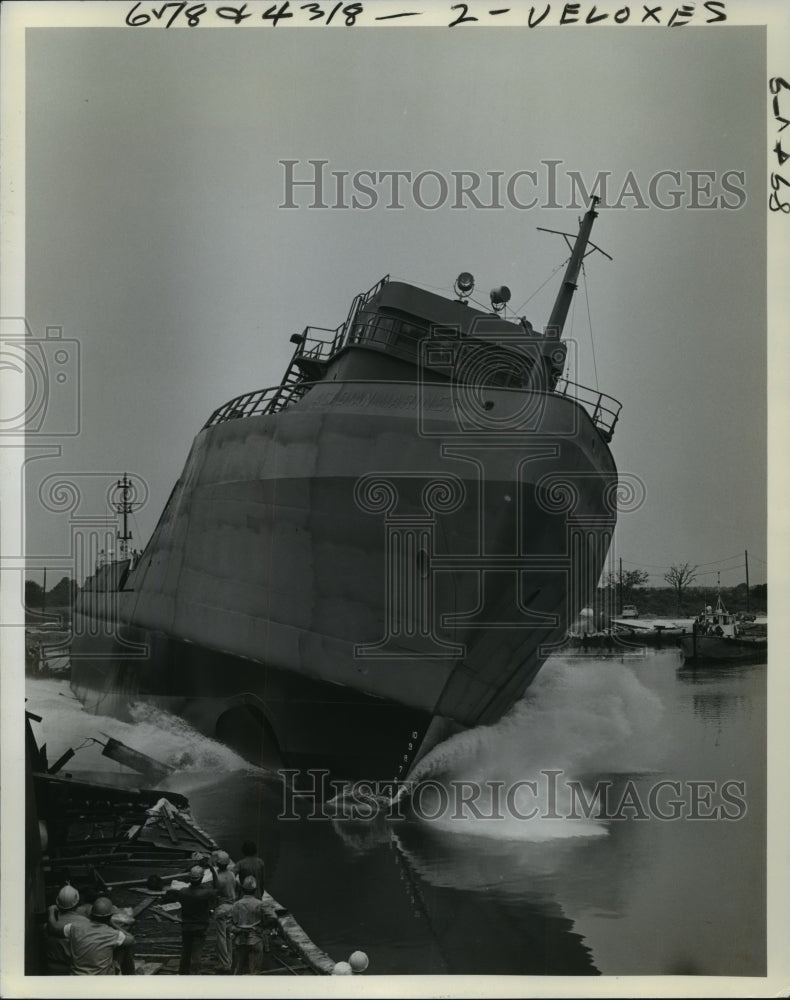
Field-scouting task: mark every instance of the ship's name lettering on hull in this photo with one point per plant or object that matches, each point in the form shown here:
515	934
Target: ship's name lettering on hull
390	400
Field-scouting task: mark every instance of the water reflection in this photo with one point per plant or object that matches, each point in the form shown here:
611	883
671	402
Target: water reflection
486	905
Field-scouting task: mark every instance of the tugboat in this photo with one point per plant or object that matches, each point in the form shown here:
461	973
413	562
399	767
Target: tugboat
375	553
720	637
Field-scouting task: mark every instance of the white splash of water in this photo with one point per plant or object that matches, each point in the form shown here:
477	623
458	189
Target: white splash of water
166	738
584	721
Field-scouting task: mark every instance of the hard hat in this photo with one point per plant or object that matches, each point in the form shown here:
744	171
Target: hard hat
68	897
101	908
223	859
359	961
249	884
196	874
341	969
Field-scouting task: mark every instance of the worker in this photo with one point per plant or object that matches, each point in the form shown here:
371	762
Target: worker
96	947
251	864
226	894
251	919
56	947
197	901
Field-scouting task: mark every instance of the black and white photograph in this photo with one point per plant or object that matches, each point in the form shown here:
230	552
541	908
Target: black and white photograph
394	498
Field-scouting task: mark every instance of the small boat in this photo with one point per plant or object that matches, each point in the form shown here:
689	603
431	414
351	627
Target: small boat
718	636
651	631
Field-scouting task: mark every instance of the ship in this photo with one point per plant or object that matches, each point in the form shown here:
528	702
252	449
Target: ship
379	551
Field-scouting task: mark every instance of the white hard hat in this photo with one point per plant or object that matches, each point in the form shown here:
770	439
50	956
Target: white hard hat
67	898
359	961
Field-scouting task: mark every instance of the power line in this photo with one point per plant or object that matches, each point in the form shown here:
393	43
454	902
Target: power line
713	562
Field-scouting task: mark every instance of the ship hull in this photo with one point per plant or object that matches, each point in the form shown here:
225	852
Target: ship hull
363	555
275	719
717	649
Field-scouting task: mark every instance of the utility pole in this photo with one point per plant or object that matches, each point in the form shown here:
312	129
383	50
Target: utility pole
44	594
621	585
746	560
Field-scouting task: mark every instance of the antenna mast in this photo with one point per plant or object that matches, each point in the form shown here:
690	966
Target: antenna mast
124	506
578	252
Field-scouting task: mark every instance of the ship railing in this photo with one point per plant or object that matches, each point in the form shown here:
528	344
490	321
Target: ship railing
603	410
259	402
316	347
319	343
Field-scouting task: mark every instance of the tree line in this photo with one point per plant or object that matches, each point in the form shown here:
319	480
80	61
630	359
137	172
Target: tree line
59	596
680	596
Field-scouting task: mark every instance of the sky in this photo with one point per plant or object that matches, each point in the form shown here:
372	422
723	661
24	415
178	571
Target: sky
155	238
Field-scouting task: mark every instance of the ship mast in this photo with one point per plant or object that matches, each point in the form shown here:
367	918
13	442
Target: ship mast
579	251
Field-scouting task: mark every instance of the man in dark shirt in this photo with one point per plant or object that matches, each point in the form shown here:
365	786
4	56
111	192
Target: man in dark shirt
197	902
252	865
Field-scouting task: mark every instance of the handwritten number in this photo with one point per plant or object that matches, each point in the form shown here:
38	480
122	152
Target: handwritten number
194	14
318	11
168	13
463	17
335	9
775	84
274	15
773	202
136	20
159	14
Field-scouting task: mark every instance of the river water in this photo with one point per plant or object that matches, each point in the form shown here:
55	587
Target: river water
663	873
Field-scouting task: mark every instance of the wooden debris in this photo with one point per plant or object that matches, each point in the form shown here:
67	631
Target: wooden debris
163	913
141	906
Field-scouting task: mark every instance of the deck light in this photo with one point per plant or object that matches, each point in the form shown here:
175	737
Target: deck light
464	285
499	298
